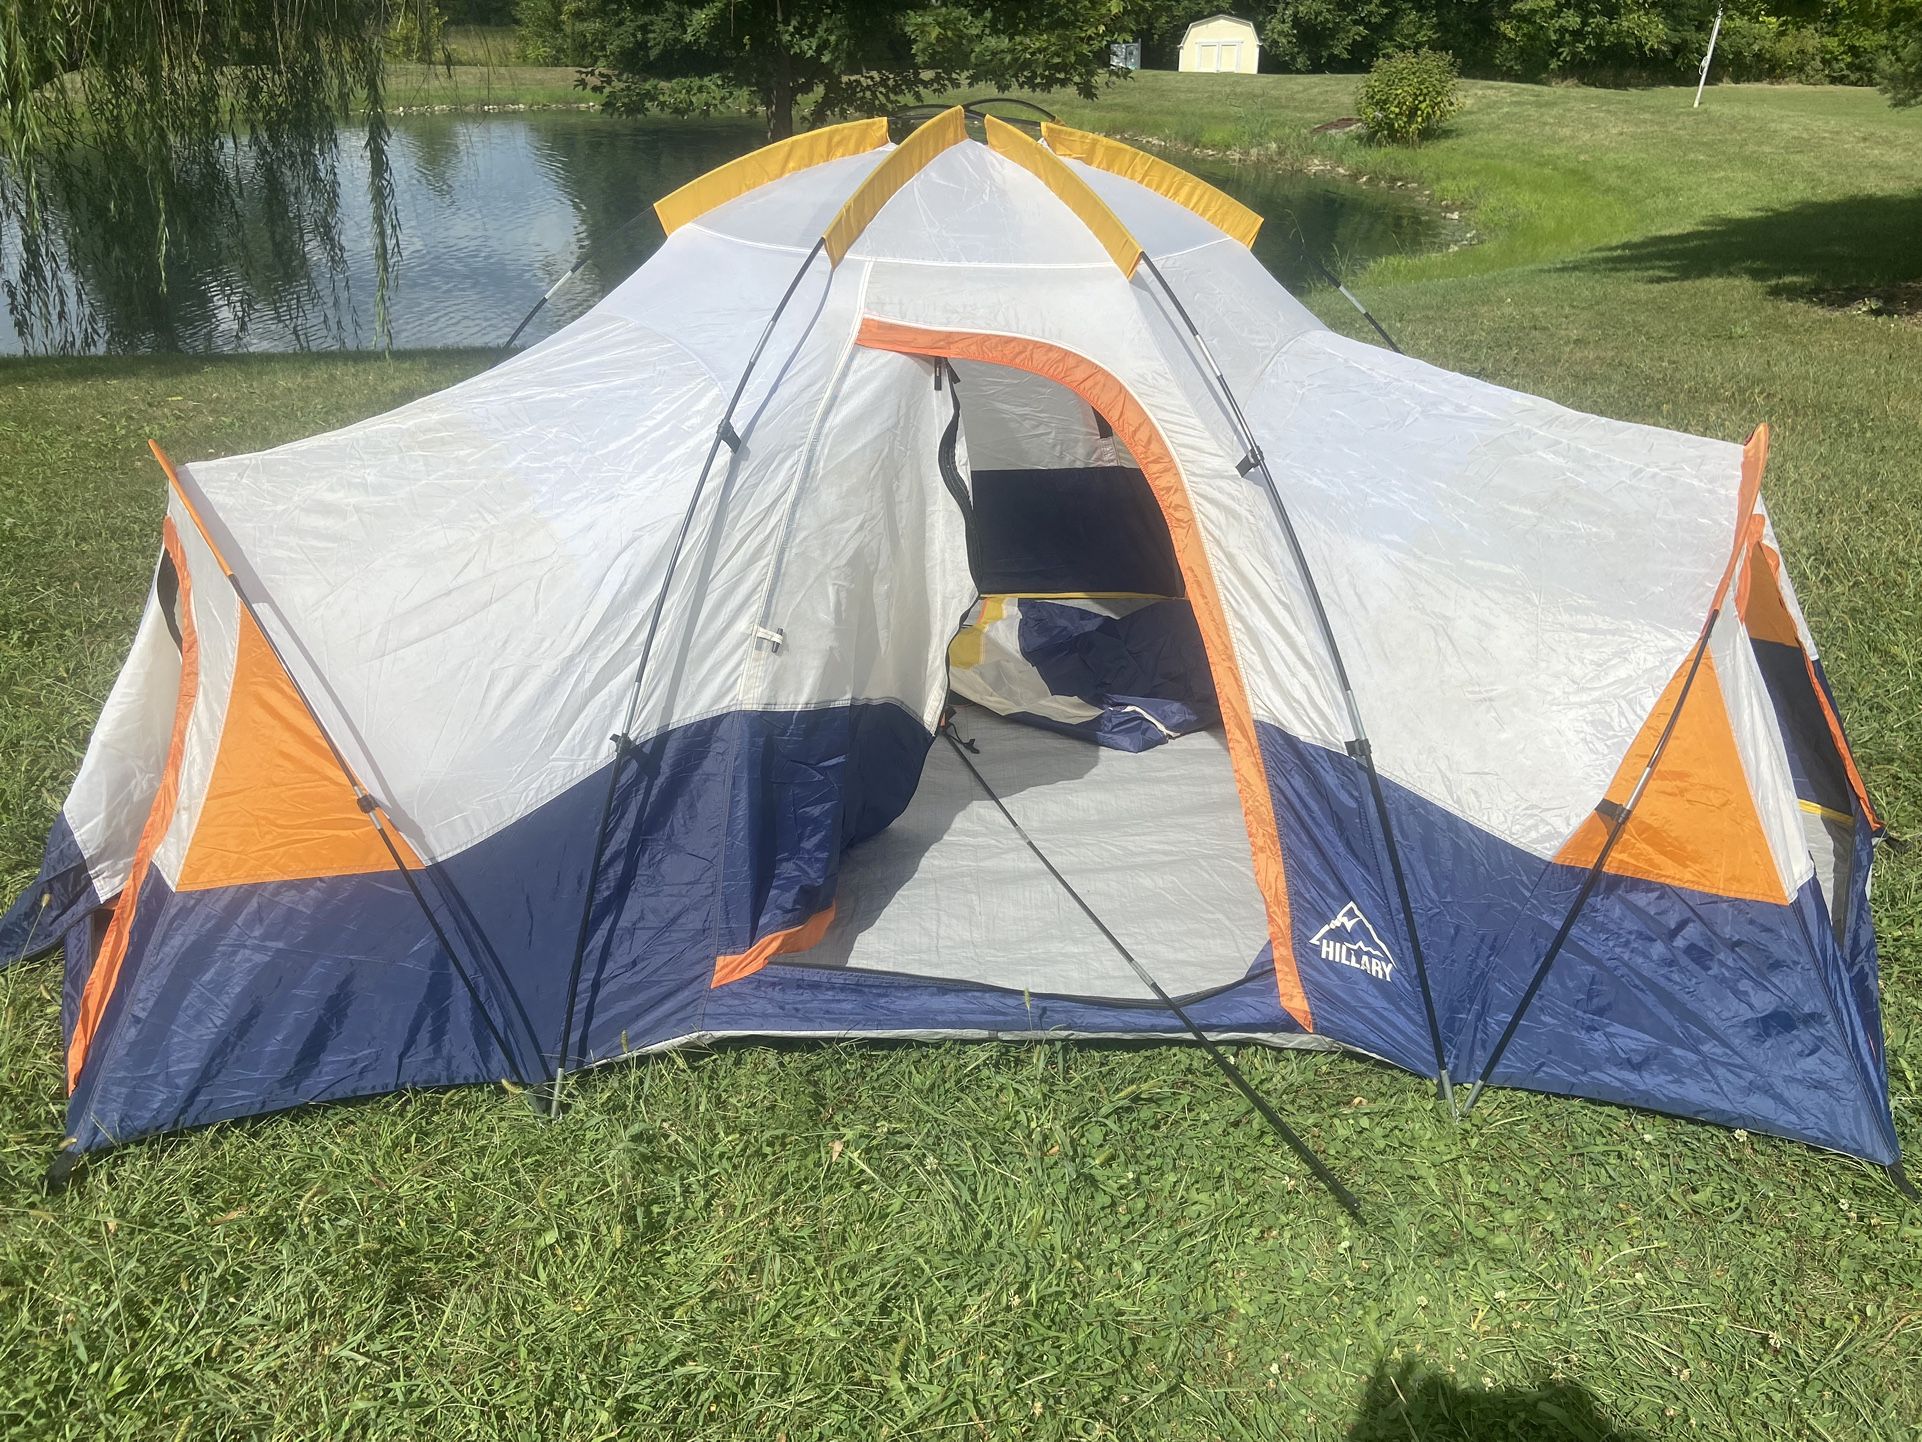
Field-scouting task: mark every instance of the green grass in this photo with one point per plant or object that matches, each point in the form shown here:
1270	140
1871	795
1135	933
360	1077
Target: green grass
1554	173
1056	1242
481	87
482	69
481	44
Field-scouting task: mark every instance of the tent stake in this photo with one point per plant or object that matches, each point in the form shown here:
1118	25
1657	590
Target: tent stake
1359	748
60	1171
625	747
1214	1052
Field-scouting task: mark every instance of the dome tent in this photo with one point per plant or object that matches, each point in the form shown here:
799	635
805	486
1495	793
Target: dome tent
351	820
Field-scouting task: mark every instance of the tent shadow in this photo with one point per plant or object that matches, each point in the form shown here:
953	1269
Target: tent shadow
1405	1401
1830	252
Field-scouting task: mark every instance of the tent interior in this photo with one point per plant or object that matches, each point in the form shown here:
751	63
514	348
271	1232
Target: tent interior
1084	697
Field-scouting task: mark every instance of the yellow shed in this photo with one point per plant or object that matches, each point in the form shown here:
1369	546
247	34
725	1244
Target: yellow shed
1221	43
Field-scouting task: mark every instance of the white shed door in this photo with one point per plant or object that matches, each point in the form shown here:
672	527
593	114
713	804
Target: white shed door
1218	55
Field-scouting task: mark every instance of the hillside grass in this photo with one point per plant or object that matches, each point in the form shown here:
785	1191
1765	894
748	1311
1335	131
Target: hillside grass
503	86
482	68
1064	1241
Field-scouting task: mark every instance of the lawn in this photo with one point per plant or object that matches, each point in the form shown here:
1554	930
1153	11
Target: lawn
1072	1241
481	87
482	66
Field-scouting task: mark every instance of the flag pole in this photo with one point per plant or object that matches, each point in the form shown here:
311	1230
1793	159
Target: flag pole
1714	34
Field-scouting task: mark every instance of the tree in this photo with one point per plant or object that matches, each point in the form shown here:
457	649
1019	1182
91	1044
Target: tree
1900	72
129	128
822	58
1606	41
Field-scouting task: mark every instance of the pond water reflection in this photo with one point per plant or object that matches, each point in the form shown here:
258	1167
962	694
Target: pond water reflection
493	208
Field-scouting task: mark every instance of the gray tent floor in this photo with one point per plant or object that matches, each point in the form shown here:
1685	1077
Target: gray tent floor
1153	840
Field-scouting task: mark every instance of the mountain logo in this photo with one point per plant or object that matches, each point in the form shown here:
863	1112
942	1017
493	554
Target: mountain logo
1351	940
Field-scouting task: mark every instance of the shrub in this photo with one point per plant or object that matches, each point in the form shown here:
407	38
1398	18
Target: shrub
1408	96
1795	54
1744	51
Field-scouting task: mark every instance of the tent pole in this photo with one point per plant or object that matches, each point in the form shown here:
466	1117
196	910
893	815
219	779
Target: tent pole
1327	275
1214	1052
541	304
363	799
625	747
1359	748
587	253
1616	818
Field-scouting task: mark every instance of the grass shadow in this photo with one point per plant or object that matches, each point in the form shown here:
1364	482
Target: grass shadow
1861	250
1405	1402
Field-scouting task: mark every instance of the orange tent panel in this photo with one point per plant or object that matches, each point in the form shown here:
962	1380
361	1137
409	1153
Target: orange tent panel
278	807
1696	824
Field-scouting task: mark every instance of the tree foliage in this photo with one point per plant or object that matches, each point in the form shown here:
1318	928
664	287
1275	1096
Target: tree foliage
1900	71
809	60
1607	41
1901	74
818	59
155	144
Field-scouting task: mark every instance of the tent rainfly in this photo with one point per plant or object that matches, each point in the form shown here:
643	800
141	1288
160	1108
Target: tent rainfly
1354	703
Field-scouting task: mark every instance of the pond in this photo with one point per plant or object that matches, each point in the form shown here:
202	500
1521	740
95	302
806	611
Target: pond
495	207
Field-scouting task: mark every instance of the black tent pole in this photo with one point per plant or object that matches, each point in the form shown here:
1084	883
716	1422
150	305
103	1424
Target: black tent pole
1616	819
1208	1044
1359	748
1334	280
546	295
625	746
580	263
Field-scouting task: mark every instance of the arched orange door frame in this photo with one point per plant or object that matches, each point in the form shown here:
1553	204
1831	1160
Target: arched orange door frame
1113	401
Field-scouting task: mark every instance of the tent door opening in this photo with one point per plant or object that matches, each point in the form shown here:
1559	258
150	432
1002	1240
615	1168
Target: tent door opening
1081	624
1082	686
